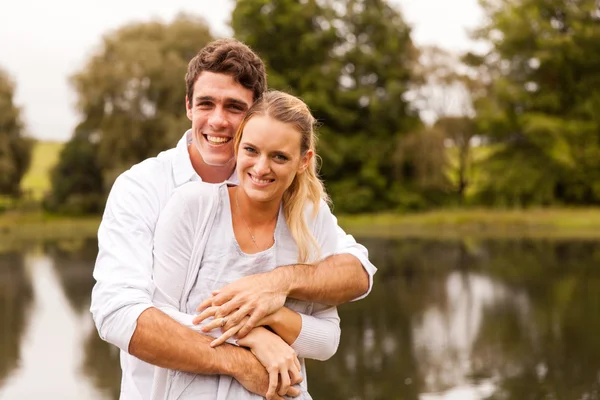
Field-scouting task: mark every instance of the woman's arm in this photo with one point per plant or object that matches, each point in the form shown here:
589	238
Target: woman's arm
314	336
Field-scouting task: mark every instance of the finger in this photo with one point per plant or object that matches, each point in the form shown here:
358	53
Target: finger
221	298
273	381
297	362
295	376
230	306
240	324
205	304
224	337
214	324
285	382
209	312
238	316
256	316
293	392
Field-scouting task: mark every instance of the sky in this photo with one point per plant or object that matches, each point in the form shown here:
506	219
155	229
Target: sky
44	42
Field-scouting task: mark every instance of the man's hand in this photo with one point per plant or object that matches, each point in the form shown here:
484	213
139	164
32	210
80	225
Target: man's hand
255	296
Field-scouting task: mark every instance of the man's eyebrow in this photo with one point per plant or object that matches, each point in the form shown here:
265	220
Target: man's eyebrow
204	98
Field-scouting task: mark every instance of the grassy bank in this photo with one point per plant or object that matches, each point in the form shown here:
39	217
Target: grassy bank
542	223
548	223
17	228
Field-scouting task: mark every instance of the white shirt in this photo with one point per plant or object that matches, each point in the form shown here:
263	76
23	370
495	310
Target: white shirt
123	270
196	252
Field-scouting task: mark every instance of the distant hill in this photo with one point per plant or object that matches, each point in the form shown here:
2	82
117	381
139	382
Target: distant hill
36	181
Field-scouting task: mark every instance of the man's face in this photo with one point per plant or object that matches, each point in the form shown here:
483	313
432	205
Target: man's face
216	111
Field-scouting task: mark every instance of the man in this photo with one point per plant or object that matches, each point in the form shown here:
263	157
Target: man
222	82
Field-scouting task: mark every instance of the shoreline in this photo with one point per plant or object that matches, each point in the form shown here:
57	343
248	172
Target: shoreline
558	223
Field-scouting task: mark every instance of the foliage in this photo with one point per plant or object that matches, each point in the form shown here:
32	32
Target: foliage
15	148
352	62
77	179
131	92
539	101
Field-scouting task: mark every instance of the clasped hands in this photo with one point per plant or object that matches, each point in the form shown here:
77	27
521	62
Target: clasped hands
240	309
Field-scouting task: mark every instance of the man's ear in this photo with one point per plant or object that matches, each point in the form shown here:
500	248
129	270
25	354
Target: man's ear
188	108
305	161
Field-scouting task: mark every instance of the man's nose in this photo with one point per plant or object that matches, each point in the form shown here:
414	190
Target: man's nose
217	119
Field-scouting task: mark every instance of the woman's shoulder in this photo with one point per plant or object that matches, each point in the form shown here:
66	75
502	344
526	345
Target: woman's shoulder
323	211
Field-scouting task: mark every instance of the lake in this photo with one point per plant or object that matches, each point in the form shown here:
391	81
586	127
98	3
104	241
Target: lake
446	320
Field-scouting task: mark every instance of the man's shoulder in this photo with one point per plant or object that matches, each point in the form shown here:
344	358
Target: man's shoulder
153	175
147	169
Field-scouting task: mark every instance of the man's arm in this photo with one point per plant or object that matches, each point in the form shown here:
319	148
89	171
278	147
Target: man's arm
122	296
161	341
337	279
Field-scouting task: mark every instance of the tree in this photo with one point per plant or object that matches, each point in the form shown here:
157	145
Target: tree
352	62
444	95
77	186
15	148
540	106
131	93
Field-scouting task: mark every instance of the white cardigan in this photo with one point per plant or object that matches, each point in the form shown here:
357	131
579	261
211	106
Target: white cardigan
180	241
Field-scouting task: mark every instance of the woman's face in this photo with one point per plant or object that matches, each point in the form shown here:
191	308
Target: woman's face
269	158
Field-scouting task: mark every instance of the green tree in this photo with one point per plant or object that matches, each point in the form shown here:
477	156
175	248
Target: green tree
352	62
131	93
77	186
15	148
540	105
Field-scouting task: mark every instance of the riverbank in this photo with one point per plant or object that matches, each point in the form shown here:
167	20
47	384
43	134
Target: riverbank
540	223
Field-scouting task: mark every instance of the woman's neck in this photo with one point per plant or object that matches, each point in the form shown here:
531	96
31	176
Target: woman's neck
255	213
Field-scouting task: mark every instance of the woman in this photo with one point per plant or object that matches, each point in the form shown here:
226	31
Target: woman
210	235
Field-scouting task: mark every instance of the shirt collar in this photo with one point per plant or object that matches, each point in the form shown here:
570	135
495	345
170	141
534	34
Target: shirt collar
183	171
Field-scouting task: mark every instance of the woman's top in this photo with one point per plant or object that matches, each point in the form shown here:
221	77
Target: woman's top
195	252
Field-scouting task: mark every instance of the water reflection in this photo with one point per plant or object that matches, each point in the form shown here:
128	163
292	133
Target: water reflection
468	320
16	296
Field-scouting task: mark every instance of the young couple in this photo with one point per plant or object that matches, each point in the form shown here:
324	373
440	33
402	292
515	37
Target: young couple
232	224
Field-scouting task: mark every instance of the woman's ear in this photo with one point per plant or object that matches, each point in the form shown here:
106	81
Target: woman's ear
305	161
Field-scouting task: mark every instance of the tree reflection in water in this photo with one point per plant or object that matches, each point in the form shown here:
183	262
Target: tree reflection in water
16	297
497	320
74	261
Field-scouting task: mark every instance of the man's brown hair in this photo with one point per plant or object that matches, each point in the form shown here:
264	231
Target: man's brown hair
231	57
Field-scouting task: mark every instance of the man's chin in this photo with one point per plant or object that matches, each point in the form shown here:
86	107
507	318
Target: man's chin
218	161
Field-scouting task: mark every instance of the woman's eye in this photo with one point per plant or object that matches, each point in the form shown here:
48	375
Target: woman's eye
281	158
249	150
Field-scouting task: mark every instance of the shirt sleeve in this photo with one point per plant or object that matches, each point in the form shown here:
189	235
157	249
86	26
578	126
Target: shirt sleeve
319	336
174	241
346	244
123	269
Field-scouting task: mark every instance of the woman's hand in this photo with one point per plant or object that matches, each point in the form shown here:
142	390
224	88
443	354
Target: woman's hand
227	325
279	359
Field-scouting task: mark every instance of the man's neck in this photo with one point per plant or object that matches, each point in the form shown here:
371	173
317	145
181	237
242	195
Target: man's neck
210	173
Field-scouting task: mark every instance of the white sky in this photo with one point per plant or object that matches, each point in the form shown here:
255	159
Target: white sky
43	42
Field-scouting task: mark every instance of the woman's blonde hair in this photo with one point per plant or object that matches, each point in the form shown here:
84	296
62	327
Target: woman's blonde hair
306	187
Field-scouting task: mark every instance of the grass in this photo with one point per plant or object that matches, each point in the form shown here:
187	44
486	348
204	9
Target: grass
540	223
17	228
36	181
565	223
